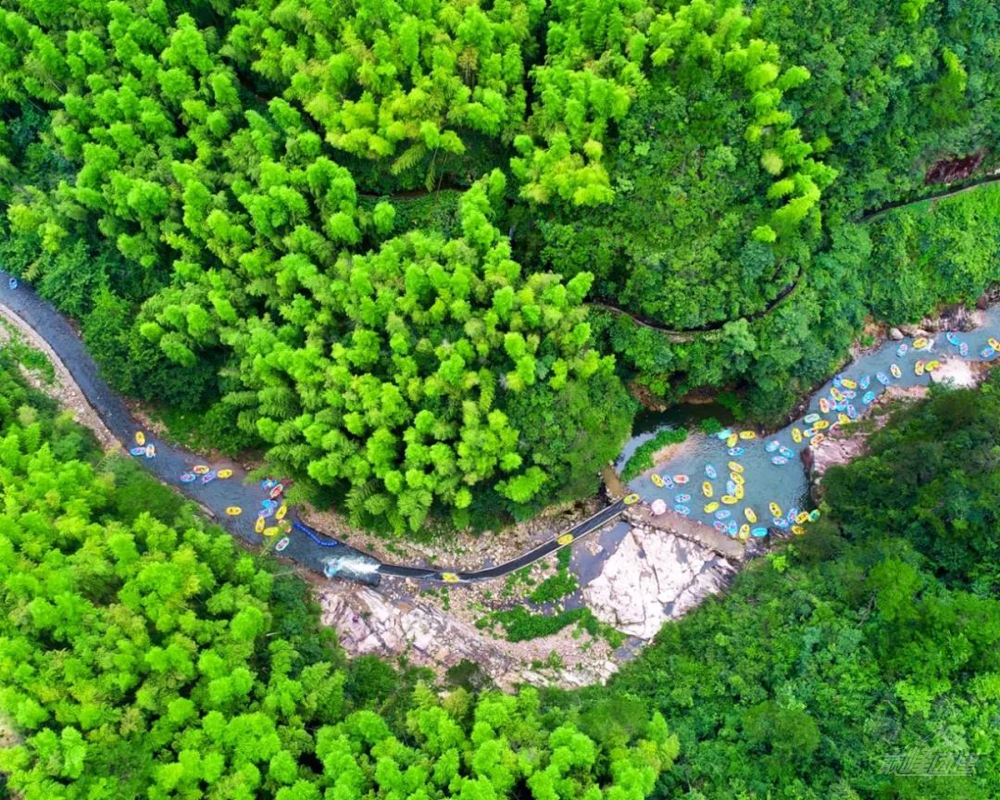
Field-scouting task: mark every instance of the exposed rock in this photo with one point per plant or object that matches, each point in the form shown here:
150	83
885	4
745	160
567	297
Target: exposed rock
838	448
957	372
895	334
369	623
960	318
653	577
658	507
703	536
842	445
913	330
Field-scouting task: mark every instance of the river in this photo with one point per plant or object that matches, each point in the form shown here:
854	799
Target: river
765	483
787	485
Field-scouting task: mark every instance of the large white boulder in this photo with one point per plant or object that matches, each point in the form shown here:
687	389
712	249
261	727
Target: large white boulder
652	577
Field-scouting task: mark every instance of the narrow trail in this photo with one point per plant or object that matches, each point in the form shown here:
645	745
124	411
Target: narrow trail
871	214
682	335
300	543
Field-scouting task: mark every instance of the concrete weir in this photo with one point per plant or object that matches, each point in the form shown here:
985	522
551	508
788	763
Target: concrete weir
719	543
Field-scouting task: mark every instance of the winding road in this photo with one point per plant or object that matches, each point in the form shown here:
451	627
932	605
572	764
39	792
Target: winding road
681	335
299	543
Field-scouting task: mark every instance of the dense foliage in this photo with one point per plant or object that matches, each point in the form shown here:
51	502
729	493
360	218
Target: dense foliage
396	246
940	460
863	658
144	655
942	251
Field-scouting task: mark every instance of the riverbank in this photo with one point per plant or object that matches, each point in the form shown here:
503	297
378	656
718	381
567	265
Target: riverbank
632	575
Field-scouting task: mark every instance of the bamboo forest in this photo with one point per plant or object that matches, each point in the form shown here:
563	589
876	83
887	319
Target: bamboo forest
499	399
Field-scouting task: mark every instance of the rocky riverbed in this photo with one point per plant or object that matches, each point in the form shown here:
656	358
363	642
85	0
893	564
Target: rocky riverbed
635	575
370	623
651	576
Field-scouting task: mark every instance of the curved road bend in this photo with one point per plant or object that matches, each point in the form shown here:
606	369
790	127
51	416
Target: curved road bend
304	546
581	529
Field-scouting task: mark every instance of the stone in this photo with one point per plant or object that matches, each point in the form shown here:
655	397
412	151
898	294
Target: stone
369	623
842	445
960	318
895	334
654	577
957	372
658	507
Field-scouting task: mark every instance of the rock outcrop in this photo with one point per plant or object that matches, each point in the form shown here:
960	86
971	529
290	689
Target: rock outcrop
960	373
369	623
653	577
842	445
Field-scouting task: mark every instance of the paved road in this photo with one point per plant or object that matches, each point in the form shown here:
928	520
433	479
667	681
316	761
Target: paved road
581	529
302	544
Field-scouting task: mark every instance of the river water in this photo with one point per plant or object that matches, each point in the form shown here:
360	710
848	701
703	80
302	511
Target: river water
171	462
786	485
764	482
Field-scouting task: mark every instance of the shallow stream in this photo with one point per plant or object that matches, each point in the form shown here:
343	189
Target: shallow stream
786	485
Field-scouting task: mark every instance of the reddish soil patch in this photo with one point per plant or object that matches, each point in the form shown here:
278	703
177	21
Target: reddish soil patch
948	170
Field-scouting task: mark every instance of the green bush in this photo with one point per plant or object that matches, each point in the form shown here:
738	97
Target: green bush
642	458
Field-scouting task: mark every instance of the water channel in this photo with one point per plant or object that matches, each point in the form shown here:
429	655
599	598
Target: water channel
764	482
